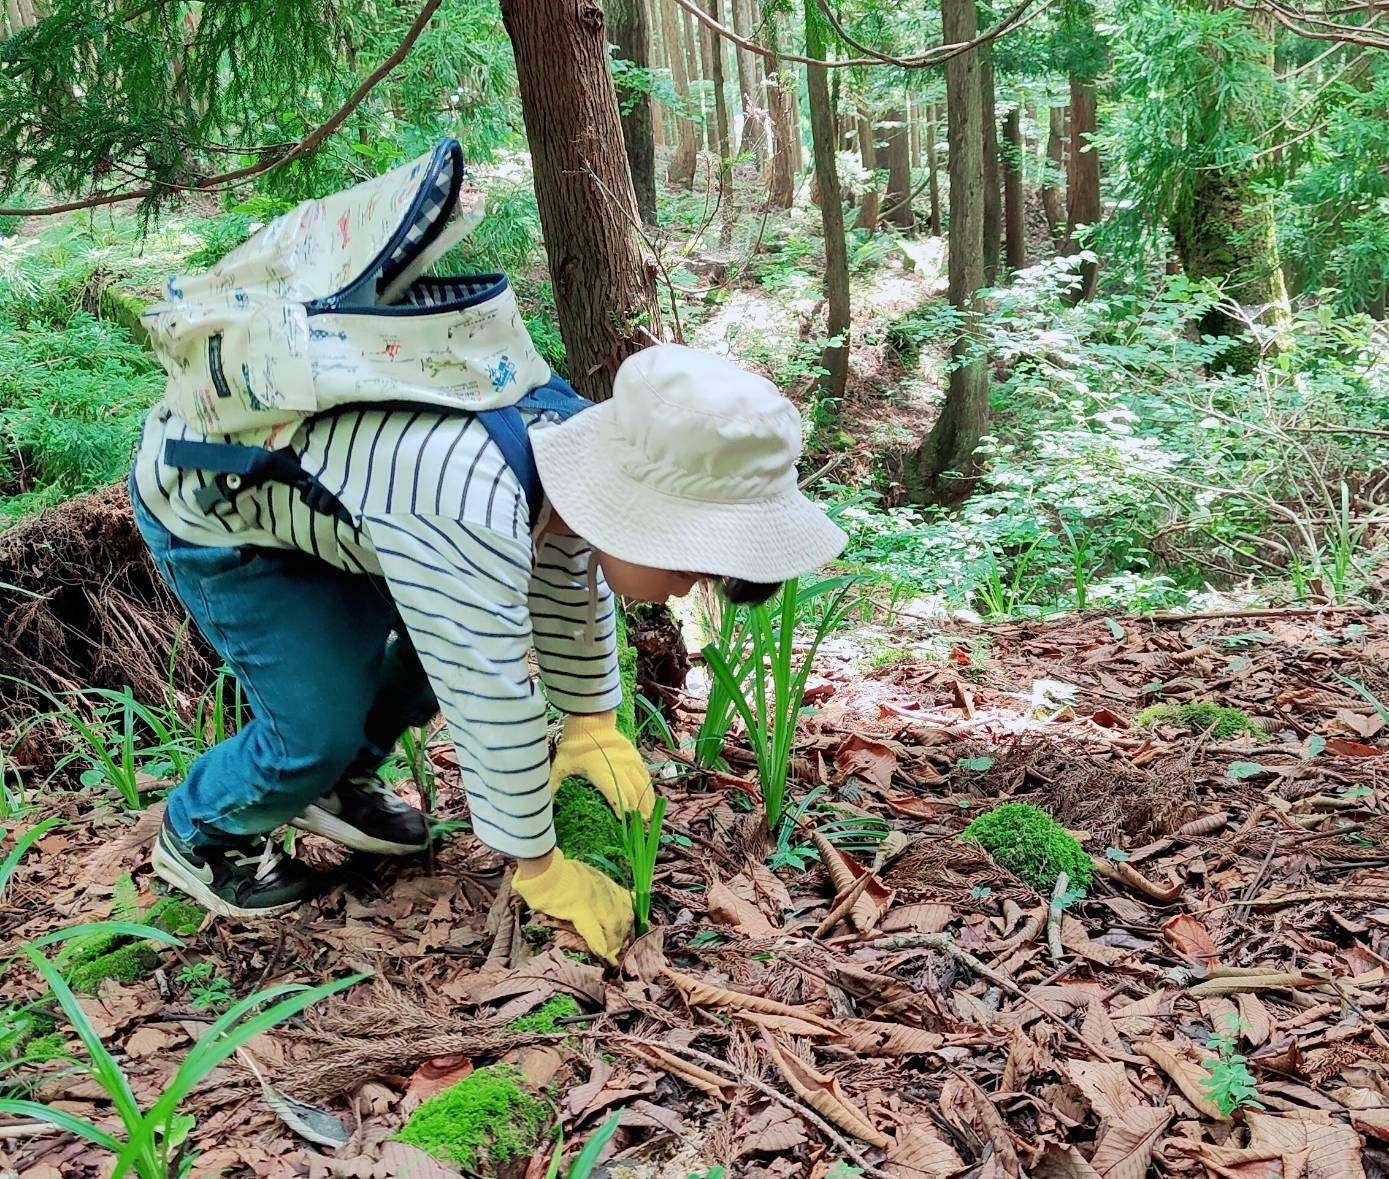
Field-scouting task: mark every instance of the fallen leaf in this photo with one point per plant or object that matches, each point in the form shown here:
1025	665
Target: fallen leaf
1258	1025
995	1130
918	1152
720	1088
1374	1122
823	1094
551	972
774	1130
871	1037
1062	1161
730	909
438	1073
645	958
538	1064
1108	720
922	918
146	1042
866	759
909	806
843	872
790	1024
1185	1073
400	1160
1125	1146
699	993
1361	724
1188	936
1341	747
1234	1162
1104	1084
1335	1149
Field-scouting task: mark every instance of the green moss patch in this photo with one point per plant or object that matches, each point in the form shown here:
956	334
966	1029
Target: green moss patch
1200	716
88	961
627	673
1031	845
546	1017
488	1118
586	828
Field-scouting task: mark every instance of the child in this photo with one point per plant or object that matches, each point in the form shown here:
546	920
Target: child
429	592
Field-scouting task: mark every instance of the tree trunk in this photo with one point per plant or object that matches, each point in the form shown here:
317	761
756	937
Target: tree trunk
798	144
899	172
694	71
755	134
914	122
628	28
1014	224
950	446
993	192
786	132
1083	180
605	290
1051	192
835	358
714	44
682	164
933	182
868	157
658	61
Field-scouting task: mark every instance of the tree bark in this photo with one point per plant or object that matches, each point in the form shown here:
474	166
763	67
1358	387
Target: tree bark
933	183
682	163
868	158
993	191
786	131
755	133
835	358
725	144
914	122
628	28
605	289
1083	180
658	61
694	71
1014	223
944	466
899	172
1051	192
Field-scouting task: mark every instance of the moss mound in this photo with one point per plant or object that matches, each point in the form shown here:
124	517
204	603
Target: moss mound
586	828
627	673
546	1017
1031	845
1200	716
87	962
486	1119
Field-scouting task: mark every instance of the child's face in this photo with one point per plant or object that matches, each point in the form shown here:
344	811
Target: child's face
643	583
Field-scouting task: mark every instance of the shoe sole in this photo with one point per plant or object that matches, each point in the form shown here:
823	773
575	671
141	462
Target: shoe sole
175	872
320	822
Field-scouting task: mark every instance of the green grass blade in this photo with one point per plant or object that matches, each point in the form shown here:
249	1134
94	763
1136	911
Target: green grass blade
583	1166
60	1118
22	845
124	928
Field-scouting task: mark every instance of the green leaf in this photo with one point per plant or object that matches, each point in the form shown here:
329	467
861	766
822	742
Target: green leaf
22	845
1114	628
978	764
1314	744
1118	854
1245	769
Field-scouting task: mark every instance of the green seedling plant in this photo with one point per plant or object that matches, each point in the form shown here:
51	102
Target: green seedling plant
771	704
586	1162
1374	701
1230	1085
642	844
154	1137
414	743
208	990
735	653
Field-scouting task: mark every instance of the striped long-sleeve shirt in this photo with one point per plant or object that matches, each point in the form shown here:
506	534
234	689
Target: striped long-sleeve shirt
440	516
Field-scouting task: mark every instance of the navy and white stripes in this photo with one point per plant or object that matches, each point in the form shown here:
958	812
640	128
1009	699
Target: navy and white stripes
438	513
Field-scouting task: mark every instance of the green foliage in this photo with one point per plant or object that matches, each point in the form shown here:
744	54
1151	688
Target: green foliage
586	828
1032	845
1230	1085
641	844
627	674
1201	716
206	987
487	1118
87	960
546	1017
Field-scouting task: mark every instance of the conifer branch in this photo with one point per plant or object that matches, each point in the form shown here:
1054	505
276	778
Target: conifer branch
225	180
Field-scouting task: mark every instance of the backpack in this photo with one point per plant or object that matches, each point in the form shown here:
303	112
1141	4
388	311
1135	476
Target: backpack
326	307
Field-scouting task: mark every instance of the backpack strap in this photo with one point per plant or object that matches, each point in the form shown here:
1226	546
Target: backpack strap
237	468
507	428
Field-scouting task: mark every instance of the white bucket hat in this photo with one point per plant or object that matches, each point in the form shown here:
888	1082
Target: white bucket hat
690	466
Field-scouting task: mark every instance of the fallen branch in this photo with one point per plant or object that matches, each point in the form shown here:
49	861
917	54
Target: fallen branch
1054	914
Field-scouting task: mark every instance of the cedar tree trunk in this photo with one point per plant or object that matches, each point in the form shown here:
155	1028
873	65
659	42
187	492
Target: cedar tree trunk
1083	179
1014	226
682	163
899	172
627	22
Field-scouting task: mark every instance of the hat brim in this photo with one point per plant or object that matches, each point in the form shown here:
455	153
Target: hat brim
767	541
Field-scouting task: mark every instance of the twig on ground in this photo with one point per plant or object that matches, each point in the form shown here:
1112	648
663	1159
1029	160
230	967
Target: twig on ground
1054	913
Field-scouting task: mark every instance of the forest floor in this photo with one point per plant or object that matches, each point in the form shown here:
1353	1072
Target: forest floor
1238	878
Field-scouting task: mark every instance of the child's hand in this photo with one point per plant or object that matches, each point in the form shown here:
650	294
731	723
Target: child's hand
600	910
591	747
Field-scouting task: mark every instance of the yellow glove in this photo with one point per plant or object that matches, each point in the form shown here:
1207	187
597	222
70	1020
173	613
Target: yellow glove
599	909
591	747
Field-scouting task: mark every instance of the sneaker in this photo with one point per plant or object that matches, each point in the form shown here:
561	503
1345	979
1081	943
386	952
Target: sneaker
363	813
249	878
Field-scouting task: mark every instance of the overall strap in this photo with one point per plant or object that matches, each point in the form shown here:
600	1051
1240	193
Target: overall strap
240	468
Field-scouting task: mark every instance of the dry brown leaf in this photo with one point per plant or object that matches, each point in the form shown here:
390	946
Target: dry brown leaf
645	958
1341	747
538	1064
1105	1085
870	1037
1185	1073
551	971
1374	1122
996	1131
1024	1057
715	1086
823	1094
1271	980
146	1042
725	906
770	886
1335	1149
1062	1161
844	871
1232	1162
791	1025
1361	724
400	1160
1188	936
909	806
918	1152
1258	1024
1131	877
1098	1029
924	918
1206	825
773	1130
437	1074
868	759
1126	1144
699	993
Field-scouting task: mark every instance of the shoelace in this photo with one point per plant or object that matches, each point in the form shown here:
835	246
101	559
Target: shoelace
266	862
372	784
